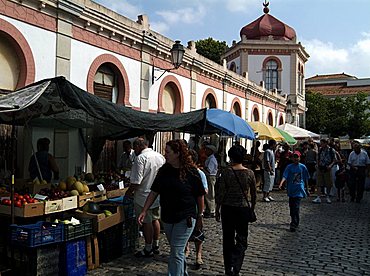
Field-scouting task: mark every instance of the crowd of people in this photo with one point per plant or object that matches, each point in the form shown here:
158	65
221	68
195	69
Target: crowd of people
177	191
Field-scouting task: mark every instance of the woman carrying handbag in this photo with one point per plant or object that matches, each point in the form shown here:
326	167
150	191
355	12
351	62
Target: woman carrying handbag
234	210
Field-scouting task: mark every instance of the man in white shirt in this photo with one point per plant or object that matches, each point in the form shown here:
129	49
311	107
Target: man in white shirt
358	160
127	157
210	169
143	172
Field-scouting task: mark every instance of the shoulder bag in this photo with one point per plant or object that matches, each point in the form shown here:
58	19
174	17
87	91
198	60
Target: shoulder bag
251	214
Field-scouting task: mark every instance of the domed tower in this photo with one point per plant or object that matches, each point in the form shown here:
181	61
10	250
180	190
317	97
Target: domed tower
269	55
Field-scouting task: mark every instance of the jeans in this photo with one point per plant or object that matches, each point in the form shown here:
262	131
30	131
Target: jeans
294	205
234	246
178	235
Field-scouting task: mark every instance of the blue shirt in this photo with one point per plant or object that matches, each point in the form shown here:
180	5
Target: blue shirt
296	175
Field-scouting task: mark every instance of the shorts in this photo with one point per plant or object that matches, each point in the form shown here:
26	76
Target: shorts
324	179
151	214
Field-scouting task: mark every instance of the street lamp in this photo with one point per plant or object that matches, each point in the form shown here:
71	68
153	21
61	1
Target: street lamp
177	54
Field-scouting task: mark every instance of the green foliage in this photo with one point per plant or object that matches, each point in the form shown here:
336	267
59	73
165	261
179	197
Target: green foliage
338	116
212	49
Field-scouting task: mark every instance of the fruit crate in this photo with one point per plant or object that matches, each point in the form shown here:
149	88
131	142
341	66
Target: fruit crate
72	232
33	235
72	260
110	243
39	261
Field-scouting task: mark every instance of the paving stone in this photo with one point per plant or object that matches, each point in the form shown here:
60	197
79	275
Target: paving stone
332	239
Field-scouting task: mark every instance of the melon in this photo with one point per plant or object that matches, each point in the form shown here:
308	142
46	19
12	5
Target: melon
79	187
86	188
73	193
62	186
70	181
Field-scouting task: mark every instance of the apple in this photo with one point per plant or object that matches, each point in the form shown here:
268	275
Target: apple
18	203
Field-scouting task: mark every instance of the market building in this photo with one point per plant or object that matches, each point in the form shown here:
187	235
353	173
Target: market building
126	62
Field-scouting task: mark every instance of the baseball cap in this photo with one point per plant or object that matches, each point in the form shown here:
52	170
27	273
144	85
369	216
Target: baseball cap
297	153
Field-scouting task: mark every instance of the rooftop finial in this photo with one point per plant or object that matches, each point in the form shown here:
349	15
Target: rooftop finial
266	9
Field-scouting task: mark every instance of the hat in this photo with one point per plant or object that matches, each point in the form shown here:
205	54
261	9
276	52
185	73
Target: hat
297	153
212	148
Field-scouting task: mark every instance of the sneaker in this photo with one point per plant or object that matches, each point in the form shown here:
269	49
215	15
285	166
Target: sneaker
155	250
266	199
144	253
317	200
270	198
328	200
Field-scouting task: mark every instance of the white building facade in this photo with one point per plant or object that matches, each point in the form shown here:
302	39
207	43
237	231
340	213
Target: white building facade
120	60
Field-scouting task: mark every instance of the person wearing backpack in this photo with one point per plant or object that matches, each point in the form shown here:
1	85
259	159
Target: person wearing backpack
326	158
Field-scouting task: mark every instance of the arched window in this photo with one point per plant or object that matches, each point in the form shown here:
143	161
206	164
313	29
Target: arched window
169	102
106	87
210	101
256	115
236	109
270	120
10	66
233	67
281	121
271	79
105	84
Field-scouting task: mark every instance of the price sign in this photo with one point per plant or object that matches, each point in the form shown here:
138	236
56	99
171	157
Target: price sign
100	187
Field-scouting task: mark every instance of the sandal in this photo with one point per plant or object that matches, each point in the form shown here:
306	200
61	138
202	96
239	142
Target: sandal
199	261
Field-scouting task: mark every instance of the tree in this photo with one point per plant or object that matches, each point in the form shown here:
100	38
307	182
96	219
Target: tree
339	116
317	114
212	49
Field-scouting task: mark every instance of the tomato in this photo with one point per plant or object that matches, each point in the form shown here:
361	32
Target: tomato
26	196
18	203
31	200
20	197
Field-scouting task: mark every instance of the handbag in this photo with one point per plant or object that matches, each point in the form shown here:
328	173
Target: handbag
251	214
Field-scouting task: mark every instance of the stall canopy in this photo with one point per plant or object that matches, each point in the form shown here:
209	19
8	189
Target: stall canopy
297	132
229	124
58	103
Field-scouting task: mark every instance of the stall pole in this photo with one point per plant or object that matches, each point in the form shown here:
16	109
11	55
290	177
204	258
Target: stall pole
13	170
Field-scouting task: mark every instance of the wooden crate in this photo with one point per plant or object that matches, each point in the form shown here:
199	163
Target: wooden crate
83	199
69	203
53	206
100	196
92	252
28	210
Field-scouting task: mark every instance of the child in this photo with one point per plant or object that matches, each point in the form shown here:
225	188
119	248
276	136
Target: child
296	175
341	178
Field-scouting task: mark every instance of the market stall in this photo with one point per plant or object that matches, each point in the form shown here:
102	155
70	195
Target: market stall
57	103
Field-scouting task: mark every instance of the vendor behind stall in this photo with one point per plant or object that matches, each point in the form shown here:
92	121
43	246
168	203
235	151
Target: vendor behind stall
46	162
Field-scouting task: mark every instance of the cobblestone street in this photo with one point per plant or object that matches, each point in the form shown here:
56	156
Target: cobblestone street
333	239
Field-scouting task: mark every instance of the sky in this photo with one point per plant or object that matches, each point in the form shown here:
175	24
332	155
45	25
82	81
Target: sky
335	33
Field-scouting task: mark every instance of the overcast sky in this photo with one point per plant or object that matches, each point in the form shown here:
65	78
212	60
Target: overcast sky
335	33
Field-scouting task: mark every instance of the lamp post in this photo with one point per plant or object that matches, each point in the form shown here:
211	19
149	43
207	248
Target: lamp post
177	54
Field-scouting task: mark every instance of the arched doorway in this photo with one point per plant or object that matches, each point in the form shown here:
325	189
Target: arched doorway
108	84
169	101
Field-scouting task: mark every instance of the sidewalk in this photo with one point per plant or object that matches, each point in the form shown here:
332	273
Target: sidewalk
333	239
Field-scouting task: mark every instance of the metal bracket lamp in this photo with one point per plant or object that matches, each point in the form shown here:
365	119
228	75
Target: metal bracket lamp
177	54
